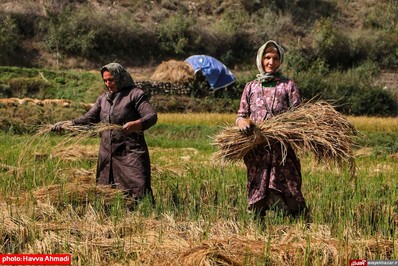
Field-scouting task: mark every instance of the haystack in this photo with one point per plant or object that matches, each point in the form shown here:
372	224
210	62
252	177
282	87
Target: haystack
314	127
173	71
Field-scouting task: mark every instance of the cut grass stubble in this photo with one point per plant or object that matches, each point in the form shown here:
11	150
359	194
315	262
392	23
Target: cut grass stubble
64	221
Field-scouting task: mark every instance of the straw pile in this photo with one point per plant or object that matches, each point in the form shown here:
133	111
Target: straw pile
76	152
314	127
162	240
79	191
79	194
173	71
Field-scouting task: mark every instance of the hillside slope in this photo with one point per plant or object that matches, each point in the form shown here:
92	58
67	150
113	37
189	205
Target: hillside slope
290	22
230	30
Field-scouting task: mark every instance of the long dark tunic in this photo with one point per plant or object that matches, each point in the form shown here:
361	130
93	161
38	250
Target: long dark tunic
123	159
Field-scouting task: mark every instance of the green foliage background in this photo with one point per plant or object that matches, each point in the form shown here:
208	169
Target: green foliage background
336	49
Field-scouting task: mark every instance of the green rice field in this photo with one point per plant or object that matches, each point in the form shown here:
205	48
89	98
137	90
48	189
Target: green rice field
50	203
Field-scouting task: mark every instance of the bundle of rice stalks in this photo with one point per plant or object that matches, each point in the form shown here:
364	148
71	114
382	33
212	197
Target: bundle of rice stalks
84	130
173	71
314	127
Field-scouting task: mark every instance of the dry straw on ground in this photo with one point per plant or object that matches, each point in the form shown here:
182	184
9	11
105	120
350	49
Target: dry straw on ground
173	71
167	241
80	190
76	152
314	127
66	148
79	194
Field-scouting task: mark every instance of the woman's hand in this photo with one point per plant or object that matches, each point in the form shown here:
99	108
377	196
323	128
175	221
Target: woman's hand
132	126
243	125
61	125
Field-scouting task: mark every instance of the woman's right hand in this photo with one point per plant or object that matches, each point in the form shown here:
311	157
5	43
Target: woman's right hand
61	125
243	125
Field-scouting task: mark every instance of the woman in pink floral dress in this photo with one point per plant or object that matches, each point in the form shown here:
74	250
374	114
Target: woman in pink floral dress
272	183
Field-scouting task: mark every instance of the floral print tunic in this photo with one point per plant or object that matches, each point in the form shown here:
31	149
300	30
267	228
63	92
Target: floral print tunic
265	166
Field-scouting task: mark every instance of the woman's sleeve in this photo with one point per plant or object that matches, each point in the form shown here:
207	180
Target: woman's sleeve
147	113
244	106
294	94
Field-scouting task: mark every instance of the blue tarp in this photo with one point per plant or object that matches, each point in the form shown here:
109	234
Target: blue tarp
216	73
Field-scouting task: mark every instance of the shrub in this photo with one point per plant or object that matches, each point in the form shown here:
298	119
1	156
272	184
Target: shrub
128	40
382	16
251	6
74	33
229	42
351	91
174	34
373	101
311	81
69	32
5	91
385	49
9	37
297	62
329	43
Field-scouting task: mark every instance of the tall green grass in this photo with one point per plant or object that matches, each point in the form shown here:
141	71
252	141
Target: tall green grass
197	198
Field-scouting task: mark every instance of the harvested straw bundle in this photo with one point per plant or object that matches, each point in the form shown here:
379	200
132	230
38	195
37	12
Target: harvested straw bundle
173	71
91	130
313	127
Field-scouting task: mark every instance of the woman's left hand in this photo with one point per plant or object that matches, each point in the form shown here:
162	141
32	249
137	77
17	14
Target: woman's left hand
132	126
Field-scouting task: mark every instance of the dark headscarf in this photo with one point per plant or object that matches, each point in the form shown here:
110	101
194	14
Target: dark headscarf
122	77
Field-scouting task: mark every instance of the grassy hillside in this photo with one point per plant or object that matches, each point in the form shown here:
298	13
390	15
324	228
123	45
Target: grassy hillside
339	50
59	33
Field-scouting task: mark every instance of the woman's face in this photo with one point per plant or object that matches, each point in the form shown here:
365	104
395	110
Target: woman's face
271	61
109	81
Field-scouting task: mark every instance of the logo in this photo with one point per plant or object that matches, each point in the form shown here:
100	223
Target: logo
358	263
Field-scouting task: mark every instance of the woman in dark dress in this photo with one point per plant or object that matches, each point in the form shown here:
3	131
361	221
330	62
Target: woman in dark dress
123	160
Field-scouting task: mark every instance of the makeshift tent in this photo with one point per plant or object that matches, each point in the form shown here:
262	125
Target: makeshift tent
216	73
